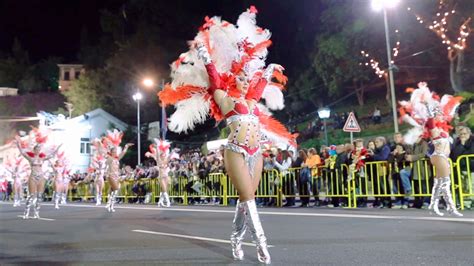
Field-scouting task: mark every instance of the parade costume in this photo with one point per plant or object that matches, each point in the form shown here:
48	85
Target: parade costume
112	164
18	169
61	179
32	149
160	151
97	169
223	75
430	117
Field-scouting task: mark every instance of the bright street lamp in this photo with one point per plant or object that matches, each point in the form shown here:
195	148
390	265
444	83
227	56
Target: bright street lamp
148	82
137	97
384	4
324	113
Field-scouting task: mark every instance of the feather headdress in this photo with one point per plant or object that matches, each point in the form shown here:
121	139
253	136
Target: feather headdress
239	49
420	111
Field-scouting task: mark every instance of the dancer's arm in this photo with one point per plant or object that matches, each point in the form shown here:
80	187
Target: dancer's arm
22	152
125	150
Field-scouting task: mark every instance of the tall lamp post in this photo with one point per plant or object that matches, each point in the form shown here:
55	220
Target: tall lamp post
324	114
137	97
383	5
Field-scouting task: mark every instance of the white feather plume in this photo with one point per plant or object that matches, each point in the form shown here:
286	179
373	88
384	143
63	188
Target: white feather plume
413	135
273	97
188	113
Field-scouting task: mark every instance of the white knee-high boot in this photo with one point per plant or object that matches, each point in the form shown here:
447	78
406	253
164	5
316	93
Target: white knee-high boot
160	201
16	200
167	202
255	227
29	203
445	188
238	231
435	196
37	206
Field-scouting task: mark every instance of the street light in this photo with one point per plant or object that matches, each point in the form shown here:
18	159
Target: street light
324	114
137	97
378	5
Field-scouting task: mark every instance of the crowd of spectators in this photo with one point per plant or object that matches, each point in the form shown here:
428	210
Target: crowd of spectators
307	183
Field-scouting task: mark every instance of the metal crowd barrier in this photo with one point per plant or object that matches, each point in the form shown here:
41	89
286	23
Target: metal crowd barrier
378	181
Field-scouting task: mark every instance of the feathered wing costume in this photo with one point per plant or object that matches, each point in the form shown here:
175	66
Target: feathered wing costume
233	48
430	117
421	110
160	151
111	142
228	51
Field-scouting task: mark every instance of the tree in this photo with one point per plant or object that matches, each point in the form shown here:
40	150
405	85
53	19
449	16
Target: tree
88	92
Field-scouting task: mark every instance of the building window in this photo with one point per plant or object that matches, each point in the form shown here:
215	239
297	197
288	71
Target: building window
66	75
77	74
85	146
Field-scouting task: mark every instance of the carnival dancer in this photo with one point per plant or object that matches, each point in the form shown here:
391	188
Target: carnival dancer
18	169
61	180
112	164
430	115
36	158
160	152
228	82
98	169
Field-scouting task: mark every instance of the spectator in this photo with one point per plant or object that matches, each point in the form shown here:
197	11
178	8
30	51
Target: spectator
302	178
418	171
464	145
381	153
287	180
400	184
357	169
313	162
376	116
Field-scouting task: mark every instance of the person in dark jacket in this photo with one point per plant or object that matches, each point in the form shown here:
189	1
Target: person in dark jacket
464	145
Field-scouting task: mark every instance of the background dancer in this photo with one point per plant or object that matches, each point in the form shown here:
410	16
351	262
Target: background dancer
160	151
36	158
224	75
61	180
98	168
430	117
18	169
112	164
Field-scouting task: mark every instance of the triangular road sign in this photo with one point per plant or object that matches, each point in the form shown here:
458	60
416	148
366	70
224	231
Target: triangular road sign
351	124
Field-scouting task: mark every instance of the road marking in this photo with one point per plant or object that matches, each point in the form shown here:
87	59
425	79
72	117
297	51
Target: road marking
195	237
41	218
262	212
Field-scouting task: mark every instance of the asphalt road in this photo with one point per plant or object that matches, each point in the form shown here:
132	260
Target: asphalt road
83	234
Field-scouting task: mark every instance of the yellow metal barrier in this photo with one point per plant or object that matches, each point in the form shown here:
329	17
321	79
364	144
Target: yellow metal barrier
377	180
331	182
465	179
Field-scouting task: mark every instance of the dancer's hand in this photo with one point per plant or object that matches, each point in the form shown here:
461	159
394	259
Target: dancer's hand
129	145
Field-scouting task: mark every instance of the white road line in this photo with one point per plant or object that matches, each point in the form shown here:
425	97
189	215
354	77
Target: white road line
41	218
194	237
308	214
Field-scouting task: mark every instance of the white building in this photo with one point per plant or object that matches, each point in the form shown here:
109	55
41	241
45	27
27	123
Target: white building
75	135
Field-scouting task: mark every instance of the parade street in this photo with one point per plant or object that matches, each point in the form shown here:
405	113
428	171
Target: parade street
198	235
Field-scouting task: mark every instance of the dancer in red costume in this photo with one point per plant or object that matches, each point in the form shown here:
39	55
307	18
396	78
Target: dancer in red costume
430	115
18	169
36	157
112	164
224	75
160	152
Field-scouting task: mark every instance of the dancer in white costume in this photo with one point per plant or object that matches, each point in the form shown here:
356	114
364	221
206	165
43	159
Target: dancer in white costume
36	157
160	151
98	169
223	75
18	169
430	115
112	164
61	180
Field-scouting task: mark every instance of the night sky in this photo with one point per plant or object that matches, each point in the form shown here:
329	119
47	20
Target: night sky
52	27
